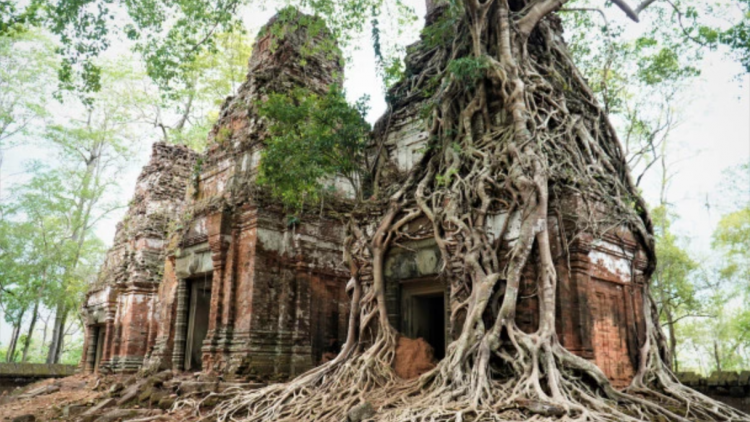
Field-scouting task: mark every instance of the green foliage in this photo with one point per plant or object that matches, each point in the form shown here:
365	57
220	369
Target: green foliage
73	352
314	138
185	110
26	72
48	250
389	61
673	285
169	35
722	341
443	29
468	70
694	21
732	237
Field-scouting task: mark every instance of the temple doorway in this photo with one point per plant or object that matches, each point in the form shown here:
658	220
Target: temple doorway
199	307
99	347
423	313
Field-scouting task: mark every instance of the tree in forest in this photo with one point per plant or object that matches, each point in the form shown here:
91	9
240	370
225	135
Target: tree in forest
63	203
513	127
26	73
725	339
185	110
67	253
19	271
674	288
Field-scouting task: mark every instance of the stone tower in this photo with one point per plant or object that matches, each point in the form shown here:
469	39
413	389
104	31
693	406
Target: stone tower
245	291
118	310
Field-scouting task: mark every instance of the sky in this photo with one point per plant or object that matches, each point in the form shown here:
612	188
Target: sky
713	136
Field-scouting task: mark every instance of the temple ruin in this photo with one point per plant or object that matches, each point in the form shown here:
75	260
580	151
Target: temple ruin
242	290
119	308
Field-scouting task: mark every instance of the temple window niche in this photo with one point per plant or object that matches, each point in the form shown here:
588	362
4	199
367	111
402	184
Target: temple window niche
416	298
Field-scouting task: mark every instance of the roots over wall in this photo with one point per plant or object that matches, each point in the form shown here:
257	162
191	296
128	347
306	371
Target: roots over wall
513	129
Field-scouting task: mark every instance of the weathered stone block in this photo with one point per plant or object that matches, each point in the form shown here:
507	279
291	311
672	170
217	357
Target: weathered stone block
361	412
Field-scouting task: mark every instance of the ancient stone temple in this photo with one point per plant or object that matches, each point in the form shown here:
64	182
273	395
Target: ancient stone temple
245	290
601	282
119	308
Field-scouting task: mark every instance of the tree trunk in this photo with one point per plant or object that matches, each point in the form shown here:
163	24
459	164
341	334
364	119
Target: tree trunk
717	355
30	333
10	353
671	324
44	331
58	328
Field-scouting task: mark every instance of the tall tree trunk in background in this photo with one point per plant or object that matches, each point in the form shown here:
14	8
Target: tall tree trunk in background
13	341
58	327
30	333
672	342
44	332
81	218
671	324
717	356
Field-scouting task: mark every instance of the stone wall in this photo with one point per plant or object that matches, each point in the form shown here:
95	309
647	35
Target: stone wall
118	310
732	388
14	375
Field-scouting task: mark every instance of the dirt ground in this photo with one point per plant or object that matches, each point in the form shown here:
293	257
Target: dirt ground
44	407
77	390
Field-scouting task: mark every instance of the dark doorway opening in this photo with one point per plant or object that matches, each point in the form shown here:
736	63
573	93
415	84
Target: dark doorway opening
428	321
423	313
198	312
99	346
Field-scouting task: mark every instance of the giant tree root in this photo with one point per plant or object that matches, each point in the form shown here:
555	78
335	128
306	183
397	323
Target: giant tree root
513	127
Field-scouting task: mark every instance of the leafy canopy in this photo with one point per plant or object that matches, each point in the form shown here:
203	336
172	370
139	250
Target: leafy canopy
314	138
170	33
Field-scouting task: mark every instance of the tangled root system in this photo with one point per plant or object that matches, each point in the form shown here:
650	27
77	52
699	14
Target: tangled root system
513	130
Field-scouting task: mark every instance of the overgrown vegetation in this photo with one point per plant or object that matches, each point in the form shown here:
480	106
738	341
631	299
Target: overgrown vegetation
317	145
474	54
514	128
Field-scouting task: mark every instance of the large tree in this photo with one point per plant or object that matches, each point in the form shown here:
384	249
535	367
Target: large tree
513	127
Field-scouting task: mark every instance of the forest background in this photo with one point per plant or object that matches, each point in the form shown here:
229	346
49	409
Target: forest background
74	136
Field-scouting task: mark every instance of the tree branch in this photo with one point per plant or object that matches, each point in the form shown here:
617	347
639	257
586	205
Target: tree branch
632	14
538	11
644	4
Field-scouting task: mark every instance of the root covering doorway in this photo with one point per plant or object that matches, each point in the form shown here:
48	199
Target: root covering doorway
198	311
